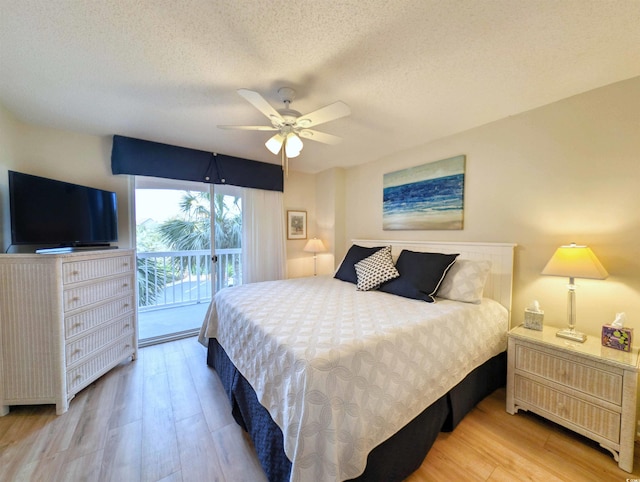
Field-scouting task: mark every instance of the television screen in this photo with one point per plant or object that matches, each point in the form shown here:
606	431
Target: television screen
56	213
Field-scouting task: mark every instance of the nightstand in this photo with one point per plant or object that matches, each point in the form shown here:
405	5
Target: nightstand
585	387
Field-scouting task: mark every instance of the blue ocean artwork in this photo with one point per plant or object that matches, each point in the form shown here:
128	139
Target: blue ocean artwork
412	202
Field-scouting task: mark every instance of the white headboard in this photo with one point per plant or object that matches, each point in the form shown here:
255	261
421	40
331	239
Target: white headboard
500	279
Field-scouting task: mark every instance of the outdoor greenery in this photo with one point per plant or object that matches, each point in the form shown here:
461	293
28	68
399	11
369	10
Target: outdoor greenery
188	231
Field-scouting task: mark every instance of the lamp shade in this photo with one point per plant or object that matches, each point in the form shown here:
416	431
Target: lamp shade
274	144
314	245
293	145
575	261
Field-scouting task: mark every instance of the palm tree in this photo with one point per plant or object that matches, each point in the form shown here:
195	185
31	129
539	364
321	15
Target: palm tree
228	221
192	230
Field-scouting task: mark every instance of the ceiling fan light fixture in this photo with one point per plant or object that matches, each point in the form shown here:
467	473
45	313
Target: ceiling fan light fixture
274	144
291	153
293	145
294	142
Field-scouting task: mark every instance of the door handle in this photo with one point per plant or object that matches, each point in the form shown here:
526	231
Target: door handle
214	258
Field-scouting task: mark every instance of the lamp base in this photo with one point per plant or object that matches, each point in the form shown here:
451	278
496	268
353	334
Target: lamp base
572	335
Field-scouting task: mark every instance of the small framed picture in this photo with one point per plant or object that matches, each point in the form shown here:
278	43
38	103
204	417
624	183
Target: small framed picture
296	224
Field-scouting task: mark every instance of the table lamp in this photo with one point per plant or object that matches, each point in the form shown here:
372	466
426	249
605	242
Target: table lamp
575	262
314	246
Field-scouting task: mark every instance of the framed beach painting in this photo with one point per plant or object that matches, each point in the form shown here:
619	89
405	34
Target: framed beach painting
296	224
429	196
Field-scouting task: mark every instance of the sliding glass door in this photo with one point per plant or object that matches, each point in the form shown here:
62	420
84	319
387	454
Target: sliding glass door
181	260
173	242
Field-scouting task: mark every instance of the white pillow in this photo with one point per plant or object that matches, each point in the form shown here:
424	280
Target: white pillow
375	270
465	281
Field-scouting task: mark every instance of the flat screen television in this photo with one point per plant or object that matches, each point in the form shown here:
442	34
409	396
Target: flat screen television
60	214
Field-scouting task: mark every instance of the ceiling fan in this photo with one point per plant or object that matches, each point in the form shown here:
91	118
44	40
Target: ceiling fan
290	124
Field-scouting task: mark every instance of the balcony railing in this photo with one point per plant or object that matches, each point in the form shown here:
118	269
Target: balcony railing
172	278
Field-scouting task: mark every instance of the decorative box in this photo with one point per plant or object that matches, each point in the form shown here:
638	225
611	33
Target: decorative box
618	338
533	319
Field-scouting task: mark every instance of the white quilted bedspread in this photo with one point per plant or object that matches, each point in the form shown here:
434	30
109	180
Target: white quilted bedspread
342	370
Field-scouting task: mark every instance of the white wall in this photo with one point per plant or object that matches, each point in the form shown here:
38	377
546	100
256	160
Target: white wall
300	195
566	172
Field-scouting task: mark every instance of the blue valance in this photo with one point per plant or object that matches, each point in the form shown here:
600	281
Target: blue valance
146	158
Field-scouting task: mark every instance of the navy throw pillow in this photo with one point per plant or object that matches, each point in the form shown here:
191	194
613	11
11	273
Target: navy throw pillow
420	275
347	270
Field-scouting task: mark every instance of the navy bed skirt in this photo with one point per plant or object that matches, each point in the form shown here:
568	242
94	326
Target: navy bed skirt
393	460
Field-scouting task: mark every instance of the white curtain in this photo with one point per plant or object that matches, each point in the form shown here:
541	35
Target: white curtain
263	236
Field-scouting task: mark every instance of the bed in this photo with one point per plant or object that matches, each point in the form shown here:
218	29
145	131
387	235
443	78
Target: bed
336	382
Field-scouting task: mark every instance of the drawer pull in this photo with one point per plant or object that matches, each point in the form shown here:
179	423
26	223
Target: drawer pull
126	305
76	351
125	285
75	299
127	325
75	273
77	324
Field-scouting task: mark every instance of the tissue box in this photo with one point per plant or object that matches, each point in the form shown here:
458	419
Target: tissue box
618	338
533	319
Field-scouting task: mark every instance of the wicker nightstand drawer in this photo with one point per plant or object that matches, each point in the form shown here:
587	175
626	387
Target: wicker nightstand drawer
600	421
603	382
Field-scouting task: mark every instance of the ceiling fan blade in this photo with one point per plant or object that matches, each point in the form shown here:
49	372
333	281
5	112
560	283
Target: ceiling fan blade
259	102
320	136
250	128
324	114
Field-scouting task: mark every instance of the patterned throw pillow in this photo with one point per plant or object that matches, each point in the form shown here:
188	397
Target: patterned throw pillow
375	270
465	281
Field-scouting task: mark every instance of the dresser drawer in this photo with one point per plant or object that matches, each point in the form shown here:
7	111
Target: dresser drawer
74	298
597	420
603	384
85	373
85	346
85	320
76	271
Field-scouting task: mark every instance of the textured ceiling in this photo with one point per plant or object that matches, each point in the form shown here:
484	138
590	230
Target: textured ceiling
411	71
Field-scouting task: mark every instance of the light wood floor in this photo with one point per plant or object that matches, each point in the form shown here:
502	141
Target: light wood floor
165	417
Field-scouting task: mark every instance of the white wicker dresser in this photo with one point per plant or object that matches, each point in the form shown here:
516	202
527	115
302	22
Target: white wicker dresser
65	320
585	387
